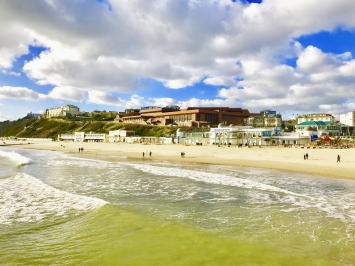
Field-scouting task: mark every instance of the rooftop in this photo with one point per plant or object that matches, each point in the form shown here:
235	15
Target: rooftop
315	123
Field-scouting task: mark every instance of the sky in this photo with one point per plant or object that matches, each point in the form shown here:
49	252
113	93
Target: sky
294	57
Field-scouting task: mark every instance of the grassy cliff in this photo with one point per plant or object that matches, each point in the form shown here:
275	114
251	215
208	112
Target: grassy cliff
50	128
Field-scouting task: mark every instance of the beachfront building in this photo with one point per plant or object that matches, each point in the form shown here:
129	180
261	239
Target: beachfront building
316	117
119	135
83	137
348	119
190	117
241	136
148	140
190	137
266	118
64	111
315	129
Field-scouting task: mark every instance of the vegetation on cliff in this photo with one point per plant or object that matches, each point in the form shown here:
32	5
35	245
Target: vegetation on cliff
50	128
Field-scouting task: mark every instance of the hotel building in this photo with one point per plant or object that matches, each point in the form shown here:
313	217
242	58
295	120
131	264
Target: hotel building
192	116
315	117
266	118
66	110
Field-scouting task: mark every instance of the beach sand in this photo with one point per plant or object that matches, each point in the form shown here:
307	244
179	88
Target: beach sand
321	161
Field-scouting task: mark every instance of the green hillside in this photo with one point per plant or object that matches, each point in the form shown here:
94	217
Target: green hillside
50	128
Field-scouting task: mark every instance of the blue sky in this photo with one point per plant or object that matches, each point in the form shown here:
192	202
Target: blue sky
112	55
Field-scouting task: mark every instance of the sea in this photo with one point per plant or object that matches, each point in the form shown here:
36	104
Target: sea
80	209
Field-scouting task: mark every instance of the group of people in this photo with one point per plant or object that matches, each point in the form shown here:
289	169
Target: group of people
182	154
150	154
81	149
305	157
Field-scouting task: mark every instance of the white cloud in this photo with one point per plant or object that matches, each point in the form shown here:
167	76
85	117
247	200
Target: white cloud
67	93
320	81
94	51
23	93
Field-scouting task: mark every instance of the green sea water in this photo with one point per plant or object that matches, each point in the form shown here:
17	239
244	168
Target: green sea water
64	210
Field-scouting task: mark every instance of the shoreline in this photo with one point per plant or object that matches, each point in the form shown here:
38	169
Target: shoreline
322	162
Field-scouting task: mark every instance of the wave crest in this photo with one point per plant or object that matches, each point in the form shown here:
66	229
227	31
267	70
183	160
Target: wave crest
15	157
24	198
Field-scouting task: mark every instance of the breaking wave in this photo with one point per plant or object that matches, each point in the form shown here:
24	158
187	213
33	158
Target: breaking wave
300	200
15	157
25	199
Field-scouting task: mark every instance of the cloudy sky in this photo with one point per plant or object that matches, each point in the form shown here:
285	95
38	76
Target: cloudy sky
290	56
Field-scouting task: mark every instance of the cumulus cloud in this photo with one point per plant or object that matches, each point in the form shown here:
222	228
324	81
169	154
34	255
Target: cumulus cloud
67	93
23	93
94	50
320	81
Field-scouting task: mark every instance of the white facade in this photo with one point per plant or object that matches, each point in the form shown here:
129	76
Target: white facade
315	117
67	110
119	135
83	137
249	136
348	119
149	140
318	128
234	135
242	135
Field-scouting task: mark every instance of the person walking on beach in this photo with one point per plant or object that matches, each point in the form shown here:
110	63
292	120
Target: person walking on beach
79	149
143	155
182	154
338	158
150	154
306	156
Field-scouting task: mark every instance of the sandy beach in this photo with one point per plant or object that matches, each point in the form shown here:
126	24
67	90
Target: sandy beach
321	161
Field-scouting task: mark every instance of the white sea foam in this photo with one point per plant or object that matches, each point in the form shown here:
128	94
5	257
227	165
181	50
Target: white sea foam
15	157
211	178
67	160
24	198
301	200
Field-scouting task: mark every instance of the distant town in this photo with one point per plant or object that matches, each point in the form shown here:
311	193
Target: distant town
213	125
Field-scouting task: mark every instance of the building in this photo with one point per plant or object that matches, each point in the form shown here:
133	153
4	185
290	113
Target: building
315	129
348	119
192	116
315	117
241	136
119	135
83	137
64	111
266	118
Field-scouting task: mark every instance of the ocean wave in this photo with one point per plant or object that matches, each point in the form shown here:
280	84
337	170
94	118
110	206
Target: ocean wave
211	178
15	157
25	199
340	211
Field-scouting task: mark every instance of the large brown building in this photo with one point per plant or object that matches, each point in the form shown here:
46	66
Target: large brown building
192	116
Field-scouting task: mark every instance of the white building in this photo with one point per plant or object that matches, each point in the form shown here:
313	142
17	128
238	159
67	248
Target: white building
119	135
66	110
316	129
315	117
250	136
242	136
83	137
348	119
